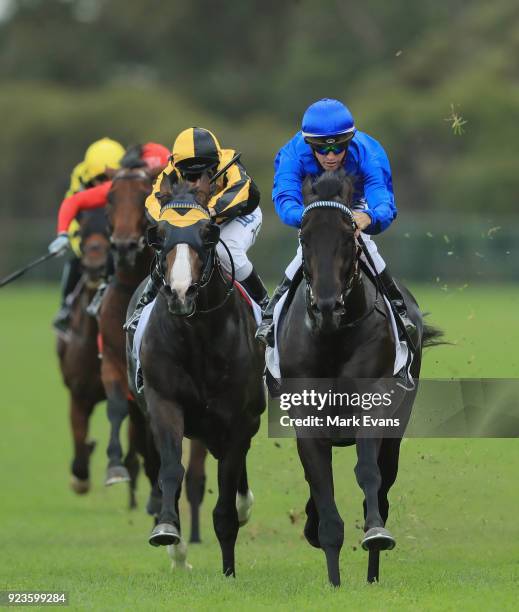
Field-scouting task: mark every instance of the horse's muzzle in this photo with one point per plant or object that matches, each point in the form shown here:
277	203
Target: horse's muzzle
326	315
181	307
126	250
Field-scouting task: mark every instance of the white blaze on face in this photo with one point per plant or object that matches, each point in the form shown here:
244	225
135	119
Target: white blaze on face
180	278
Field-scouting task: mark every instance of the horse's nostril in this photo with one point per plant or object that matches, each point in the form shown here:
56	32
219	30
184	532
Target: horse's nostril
326	305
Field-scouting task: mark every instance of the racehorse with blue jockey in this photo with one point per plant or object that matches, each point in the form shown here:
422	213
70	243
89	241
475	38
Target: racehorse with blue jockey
329	141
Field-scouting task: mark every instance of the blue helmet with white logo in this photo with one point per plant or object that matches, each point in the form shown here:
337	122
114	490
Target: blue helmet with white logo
328	121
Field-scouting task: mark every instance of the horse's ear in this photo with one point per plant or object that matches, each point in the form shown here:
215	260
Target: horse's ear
203	190
346	189
308	190
164	193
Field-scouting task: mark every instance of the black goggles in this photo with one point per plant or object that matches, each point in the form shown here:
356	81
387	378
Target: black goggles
331	144
194	175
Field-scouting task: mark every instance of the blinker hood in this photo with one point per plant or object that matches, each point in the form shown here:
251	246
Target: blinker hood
201	236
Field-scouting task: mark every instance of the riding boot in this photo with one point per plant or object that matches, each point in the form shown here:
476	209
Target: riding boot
265	331
254	286
95	305
148	295
397	300
69	280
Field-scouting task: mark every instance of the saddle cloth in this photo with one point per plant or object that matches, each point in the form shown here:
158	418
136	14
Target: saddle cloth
145	316
272	354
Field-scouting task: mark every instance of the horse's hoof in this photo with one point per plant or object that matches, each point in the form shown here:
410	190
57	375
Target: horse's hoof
178	556
116	474
79	486
164	534
378	538
244	507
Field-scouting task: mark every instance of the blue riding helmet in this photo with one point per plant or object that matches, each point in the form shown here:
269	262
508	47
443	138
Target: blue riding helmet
327	121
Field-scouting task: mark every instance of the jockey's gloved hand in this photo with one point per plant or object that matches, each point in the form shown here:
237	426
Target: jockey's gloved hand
362	219
59	245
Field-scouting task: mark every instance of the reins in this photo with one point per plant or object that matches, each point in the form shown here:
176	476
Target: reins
331	204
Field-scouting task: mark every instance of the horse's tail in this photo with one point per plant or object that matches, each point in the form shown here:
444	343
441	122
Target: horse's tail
432	336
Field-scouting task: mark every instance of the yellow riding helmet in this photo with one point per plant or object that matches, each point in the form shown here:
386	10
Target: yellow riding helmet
101	154
196	150
76	179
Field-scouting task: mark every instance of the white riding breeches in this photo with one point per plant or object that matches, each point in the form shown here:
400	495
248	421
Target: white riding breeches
239	234
379	263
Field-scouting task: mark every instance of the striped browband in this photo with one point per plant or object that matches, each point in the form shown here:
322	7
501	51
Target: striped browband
184	205
331	204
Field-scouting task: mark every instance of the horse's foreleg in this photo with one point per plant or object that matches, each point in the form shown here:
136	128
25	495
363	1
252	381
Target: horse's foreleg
388	466
369	479
225	514
316	457
131	461
117	407
368	474
244	498
195	485
167	422
80	411
152	468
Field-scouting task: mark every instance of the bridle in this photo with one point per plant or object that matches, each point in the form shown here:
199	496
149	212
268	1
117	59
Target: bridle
210	262
354	276
134	174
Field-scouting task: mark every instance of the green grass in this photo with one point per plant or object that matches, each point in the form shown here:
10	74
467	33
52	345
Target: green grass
453	506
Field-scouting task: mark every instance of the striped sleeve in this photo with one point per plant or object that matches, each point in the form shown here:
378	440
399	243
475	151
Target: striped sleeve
239	196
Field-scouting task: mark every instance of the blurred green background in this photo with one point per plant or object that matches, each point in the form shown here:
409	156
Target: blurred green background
72	71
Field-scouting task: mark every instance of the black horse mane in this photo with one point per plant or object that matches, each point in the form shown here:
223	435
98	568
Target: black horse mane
132	157
332	186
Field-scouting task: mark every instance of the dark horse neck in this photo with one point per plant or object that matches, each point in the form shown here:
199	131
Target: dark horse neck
358	305
213	302
131	276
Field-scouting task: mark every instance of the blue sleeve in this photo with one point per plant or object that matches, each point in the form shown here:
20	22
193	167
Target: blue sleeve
287	190
378	189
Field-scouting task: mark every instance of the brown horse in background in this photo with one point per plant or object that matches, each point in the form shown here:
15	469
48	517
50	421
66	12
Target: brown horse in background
133	257
78	350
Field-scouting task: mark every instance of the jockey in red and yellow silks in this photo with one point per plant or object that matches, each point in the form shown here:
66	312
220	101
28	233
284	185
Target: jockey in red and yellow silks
153	154
91	175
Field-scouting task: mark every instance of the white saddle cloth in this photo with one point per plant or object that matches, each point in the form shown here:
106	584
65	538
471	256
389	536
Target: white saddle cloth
143	322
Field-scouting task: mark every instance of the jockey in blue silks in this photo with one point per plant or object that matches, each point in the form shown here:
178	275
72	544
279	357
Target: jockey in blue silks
329	141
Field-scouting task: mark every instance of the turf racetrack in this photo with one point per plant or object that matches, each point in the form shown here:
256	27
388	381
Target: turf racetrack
454	506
